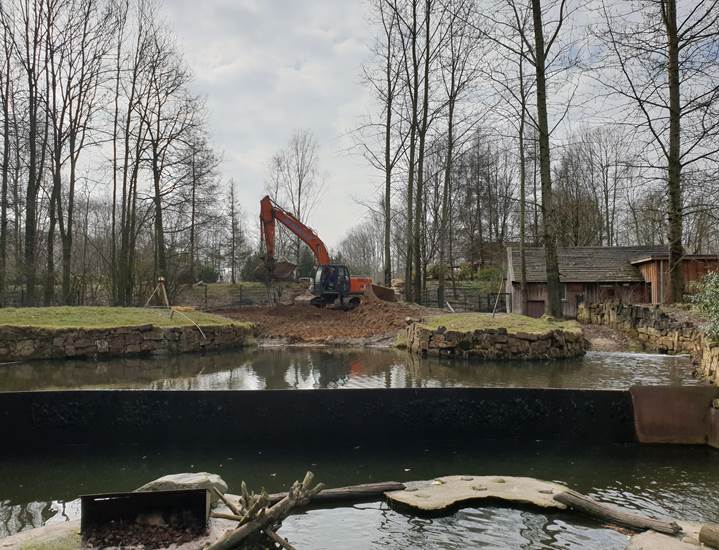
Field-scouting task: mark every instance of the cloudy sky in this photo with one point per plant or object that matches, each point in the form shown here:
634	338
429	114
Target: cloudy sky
270	67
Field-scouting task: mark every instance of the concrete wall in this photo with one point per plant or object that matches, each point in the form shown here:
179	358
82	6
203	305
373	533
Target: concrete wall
393	418
276	418
23	343
493	343
658	331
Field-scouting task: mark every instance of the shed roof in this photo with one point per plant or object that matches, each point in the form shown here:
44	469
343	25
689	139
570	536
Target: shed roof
595	264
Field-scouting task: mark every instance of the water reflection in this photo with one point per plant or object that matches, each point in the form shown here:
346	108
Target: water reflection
664	481
261	369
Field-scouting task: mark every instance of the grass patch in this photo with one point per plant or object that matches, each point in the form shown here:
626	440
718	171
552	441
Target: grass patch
467	322
106	317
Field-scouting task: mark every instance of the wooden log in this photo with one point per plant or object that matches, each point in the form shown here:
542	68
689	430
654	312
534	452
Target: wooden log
709	534
223	515
588	505
357	493
299	494
234	509
284	543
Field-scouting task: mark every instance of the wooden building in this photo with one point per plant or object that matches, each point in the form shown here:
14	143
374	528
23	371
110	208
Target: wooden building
630	274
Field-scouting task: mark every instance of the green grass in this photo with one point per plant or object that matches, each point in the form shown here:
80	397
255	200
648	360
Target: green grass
105	317
467	322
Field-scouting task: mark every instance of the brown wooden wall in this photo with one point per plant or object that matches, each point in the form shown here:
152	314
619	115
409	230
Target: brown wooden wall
694	270
577	293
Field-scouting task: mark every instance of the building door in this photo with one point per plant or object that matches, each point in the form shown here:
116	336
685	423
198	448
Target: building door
535	308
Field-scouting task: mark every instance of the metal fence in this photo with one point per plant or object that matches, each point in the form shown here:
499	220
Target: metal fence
469	300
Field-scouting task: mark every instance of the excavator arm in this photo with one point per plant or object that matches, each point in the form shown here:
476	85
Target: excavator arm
271	212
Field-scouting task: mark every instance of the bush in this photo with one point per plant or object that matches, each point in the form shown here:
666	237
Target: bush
707	301
467	272
208	273
435	270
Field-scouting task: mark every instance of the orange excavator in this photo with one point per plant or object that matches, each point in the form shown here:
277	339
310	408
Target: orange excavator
331	282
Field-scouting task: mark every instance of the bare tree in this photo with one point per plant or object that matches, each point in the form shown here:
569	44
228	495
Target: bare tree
295	180
386	82
459	71
662	60
5	99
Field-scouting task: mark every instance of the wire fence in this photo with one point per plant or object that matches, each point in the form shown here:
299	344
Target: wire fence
469	300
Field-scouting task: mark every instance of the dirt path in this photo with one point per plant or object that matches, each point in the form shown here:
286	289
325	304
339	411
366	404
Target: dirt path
603	338
366	324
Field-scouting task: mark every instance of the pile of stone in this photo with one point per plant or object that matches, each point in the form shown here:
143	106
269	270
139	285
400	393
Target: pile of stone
494	343
657	331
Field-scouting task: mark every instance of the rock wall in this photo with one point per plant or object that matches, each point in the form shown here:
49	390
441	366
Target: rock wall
658	331
493	343
22	343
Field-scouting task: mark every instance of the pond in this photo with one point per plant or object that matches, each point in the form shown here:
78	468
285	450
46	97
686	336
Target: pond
311	368
657	480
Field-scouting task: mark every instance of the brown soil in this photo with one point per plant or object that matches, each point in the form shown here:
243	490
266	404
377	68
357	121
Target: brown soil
603	338
309	324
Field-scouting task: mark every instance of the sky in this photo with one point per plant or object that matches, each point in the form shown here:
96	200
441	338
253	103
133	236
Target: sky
270	67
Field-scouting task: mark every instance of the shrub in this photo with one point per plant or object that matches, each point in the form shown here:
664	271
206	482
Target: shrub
707	301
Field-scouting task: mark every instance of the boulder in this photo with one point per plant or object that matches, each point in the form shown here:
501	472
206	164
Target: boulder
193	480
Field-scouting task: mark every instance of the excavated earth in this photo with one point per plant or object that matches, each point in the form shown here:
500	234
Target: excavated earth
373	323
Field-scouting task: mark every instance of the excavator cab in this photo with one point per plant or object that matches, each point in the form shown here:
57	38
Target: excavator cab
330	282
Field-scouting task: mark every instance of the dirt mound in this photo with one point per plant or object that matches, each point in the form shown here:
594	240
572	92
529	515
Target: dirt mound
305	323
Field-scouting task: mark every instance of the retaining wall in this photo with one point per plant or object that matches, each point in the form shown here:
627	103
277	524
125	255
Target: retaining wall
23	343
494	343
658	331
392	418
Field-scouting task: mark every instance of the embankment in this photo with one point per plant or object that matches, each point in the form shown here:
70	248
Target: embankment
481	336
658	331
19	343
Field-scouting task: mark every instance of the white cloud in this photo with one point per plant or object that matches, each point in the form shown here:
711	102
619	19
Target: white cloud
268	68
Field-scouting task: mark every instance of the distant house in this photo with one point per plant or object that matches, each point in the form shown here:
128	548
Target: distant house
631	274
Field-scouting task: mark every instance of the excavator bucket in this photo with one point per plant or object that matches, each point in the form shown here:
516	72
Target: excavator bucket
375	292
278	271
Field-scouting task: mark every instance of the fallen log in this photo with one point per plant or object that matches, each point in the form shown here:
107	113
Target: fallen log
709	534
610	514
356	493
265	518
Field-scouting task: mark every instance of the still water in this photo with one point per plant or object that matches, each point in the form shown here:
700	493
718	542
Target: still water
299	368
681	482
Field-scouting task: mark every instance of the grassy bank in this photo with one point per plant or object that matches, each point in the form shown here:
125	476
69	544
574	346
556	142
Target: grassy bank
105	317
467	322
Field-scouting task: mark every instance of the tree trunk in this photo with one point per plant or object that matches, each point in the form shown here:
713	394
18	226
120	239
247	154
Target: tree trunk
420	164
68	236
445	200
522	204
674	167
159	226
414	97
5	174
192	219
388	174
554	305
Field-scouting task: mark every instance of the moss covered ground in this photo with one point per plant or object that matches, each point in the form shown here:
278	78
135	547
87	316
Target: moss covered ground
467	322
105	317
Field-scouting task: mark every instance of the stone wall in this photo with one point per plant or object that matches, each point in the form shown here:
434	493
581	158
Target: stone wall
658	331
22	343
493	343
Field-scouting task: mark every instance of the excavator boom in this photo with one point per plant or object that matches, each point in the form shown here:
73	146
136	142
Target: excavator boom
269	212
